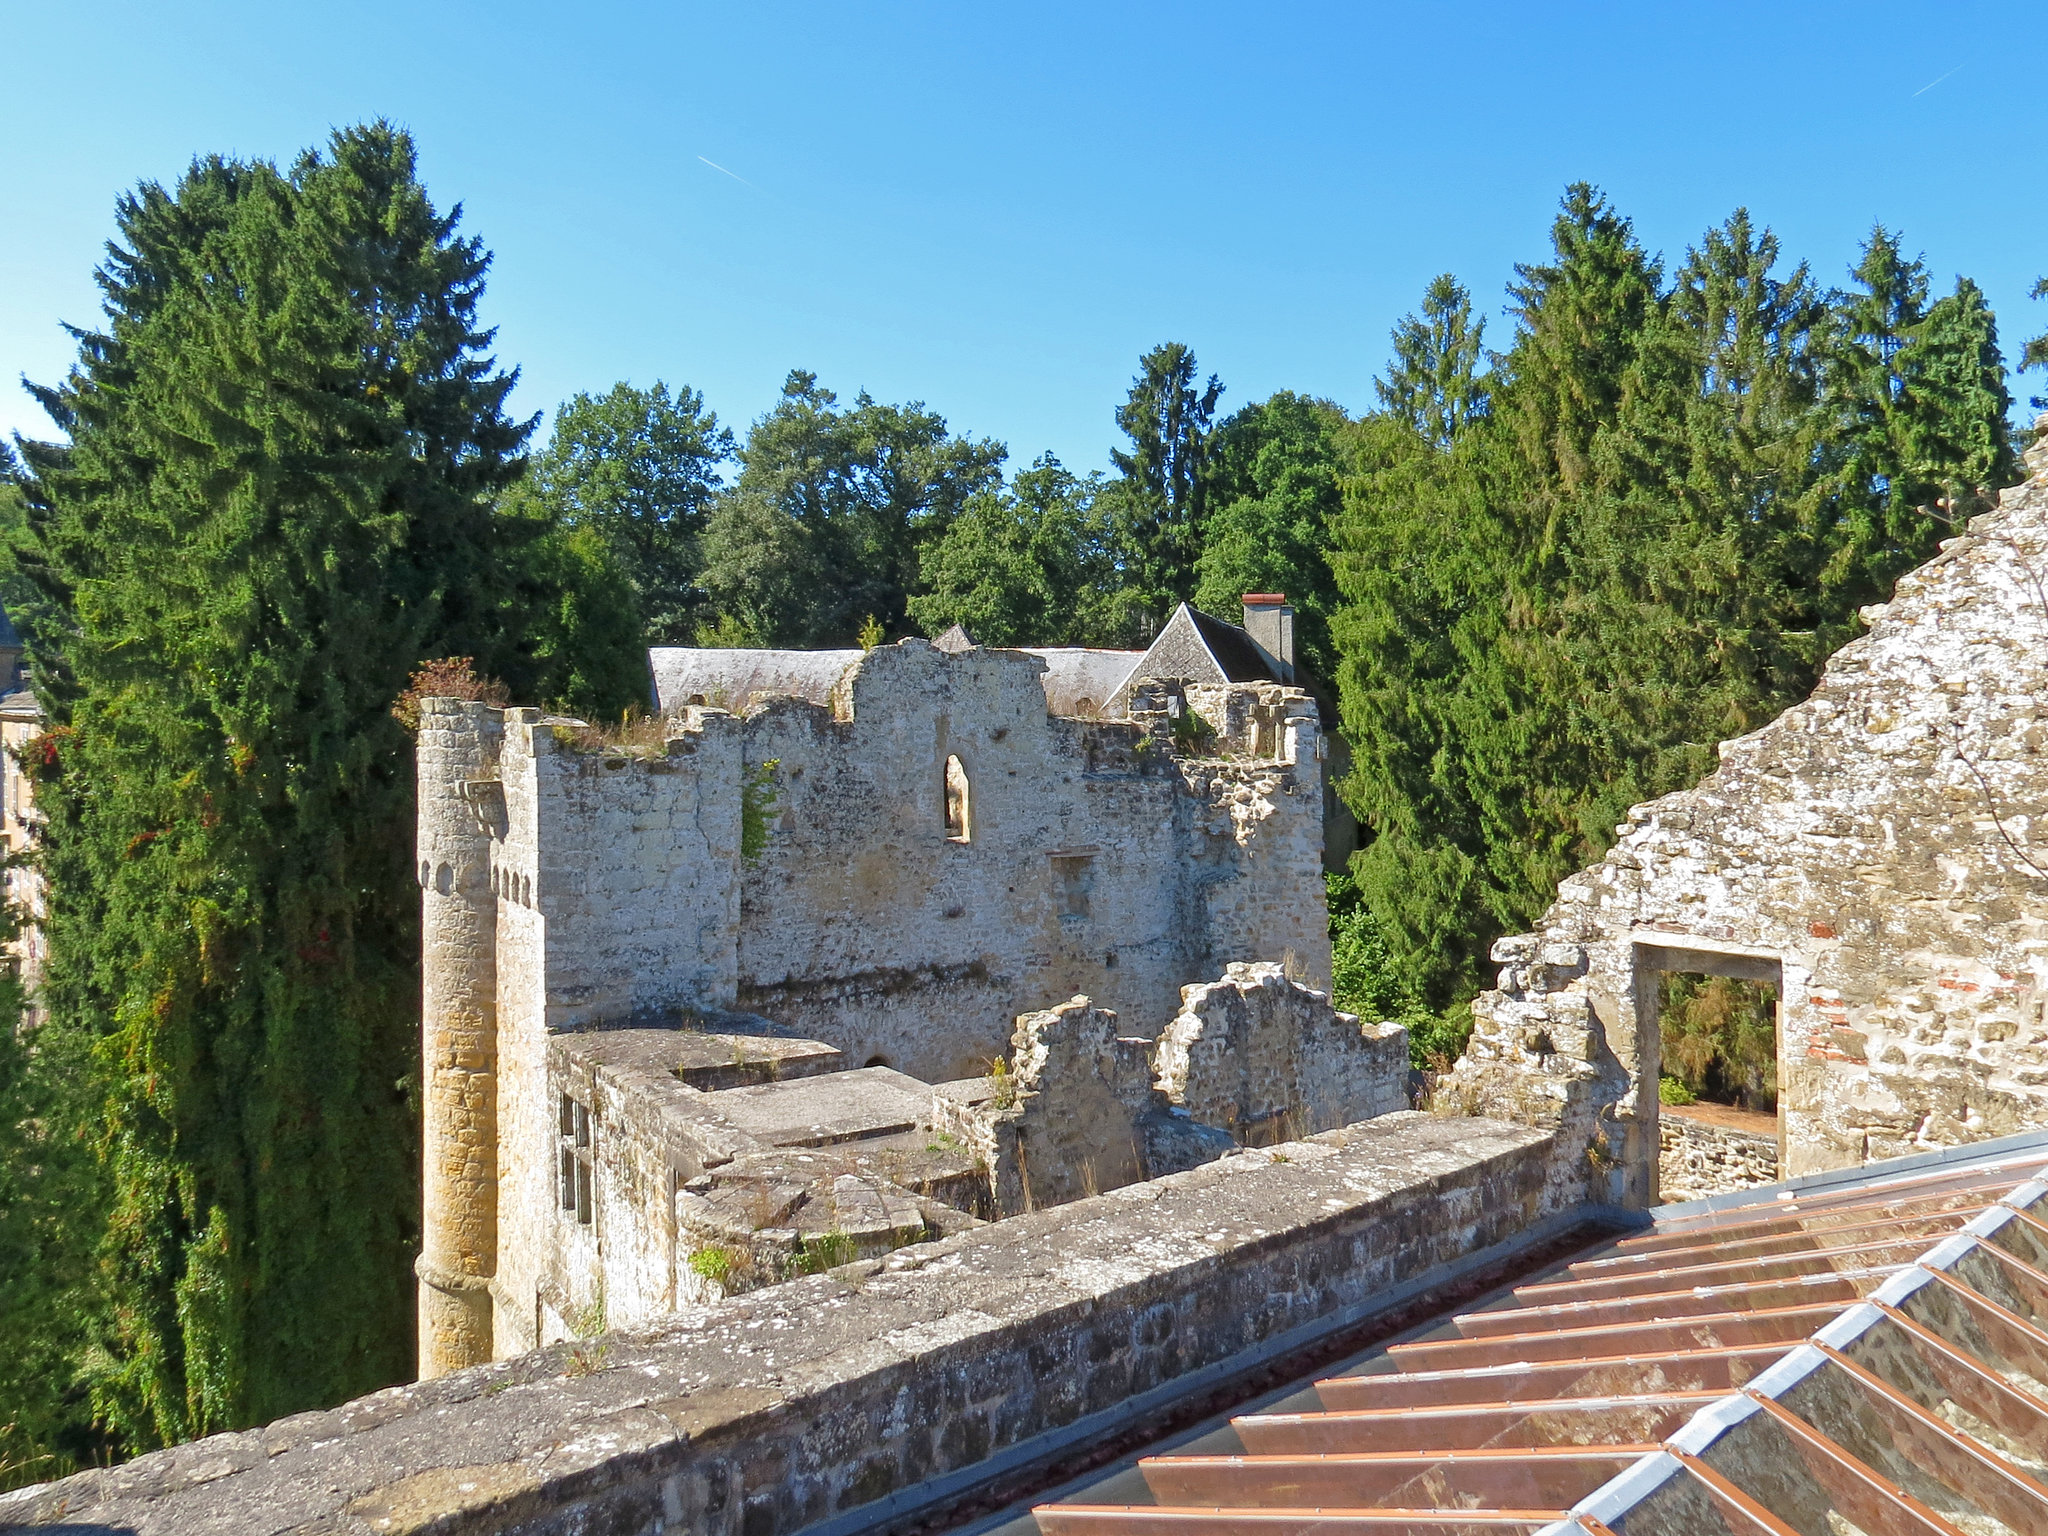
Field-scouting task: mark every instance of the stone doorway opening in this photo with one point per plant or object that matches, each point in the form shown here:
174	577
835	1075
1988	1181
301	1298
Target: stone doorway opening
1714	1027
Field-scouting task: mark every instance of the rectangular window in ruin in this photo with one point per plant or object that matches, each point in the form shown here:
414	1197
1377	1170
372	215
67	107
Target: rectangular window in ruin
1073	875
1719	1036
574	1126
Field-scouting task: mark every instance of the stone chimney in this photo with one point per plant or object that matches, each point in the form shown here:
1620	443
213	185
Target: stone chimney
1270	623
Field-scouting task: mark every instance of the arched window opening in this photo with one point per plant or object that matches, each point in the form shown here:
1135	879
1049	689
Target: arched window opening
959	810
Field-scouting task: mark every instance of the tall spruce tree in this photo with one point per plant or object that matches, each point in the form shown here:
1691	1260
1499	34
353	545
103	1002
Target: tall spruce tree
1434	383
1160	499
286	441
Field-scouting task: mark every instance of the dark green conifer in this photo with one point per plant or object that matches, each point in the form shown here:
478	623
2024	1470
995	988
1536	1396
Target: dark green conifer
1160	498
286	442
1434	383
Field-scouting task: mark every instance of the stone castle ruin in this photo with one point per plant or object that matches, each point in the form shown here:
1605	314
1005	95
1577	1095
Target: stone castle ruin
765	989
992	1034
1878	854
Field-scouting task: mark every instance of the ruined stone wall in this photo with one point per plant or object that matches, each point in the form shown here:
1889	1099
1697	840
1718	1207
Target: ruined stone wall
1077	1087
1879	851
774	1411
1699	1157
615	887
609	882
1268	1059
1094	862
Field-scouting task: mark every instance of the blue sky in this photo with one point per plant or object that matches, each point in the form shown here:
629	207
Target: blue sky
994	209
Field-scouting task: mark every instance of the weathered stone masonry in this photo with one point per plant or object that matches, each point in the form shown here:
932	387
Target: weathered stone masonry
1879	852
942	854
771	1412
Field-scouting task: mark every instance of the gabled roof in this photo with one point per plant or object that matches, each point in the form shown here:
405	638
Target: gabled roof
729	679
1204	649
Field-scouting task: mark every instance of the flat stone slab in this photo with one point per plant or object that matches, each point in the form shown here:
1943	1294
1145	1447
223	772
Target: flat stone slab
715	1060
709	1051
834	1107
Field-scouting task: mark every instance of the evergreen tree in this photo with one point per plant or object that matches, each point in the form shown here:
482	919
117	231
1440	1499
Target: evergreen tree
1276	472
1160	500
1956	437
1434	384
286	443
1032	565
2035	354
49	1190
1920	404
639	468
1665	521
1580	318
827	523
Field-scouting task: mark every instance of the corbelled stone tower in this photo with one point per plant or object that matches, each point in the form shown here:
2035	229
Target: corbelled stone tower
460	801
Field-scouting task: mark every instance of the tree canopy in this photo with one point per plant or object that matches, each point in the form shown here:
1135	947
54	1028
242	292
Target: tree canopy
1680	492
286	445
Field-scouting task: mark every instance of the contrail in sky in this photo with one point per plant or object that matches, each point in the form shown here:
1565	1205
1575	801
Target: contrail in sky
1930	85
746	183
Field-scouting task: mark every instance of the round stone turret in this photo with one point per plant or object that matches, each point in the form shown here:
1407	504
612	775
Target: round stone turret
461	808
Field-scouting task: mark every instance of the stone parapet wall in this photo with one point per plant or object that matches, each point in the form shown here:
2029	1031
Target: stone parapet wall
1698	1157
1875	853
769	1413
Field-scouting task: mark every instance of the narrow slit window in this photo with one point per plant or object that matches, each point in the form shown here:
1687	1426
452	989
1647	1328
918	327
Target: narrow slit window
573	1125
959	803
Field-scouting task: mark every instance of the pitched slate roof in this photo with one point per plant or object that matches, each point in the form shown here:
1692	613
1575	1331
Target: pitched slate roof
1869	1354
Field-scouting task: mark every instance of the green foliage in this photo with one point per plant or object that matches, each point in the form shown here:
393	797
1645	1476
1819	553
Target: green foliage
1002	1084
822	1251
714	1264
1434	386
285	449
636	471
47	1276
1276	471
831	514
758	795
1671	1091
1034	564
1676	498
1720	1038
584	635
1365	979
1159	500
